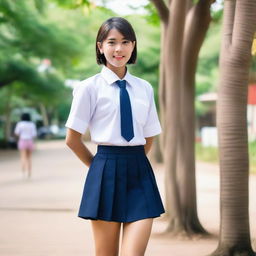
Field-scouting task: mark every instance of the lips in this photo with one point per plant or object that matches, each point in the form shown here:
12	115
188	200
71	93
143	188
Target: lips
118	57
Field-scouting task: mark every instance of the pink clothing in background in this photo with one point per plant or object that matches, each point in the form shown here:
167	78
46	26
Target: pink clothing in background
26	130
25	144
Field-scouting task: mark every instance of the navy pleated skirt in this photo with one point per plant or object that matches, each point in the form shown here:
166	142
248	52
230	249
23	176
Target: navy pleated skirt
120	186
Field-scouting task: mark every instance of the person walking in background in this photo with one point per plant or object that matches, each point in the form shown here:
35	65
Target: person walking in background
120	111
25	130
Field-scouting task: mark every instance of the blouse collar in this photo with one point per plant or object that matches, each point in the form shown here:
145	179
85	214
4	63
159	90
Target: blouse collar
111	77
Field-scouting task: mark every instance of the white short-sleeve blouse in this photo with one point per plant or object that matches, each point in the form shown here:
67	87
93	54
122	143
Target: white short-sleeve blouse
96	106
26	130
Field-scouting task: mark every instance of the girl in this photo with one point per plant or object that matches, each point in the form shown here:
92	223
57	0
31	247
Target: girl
119	109
26	132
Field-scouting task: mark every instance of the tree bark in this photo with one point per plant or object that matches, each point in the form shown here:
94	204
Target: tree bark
8	109
162	85
239	27
177	71
44	114
174	39
197	23
162	9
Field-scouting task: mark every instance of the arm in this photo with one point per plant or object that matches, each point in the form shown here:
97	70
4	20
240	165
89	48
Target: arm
74	142
16	137
17	132
148	144
34	132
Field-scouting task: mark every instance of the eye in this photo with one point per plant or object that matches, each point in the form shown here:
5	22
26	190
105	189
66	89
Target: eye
111	42
126	42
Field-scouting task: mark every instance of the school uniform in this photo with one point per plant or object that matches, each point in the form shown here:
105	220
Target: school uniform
120	185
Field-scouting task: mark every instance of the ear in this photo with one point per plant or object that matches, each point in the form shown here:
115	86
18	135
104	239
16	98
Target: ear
99	45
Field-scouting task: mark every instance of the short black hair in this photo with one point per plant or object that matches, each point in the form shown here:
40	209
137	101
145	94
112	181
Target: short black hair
125	28
25	117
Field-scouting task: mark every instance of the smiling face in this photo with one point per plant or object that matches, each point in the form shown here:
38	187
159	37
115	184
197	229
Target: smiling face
116	49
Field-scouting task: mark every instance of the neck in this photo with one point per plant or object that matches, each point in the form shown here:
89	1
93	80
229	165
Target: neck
119	71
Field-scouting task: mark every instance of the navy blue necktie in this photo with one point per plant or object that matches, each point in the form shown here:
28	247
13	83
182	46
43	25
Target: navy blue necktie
125	111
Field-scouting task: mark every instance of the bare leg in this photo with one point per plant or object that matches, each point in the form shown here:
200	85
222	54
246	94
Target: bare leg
106	237
28	160
23	160
135	237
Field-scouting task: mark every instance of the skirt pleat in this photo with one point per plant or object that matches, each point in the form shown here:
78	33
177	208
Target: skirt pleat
120	186
149	188
157	201
120	199
137	204
92	190
107	189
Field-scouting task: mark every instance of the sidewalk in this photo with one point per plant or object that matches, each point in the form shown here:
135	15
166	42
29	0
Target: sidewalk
38	217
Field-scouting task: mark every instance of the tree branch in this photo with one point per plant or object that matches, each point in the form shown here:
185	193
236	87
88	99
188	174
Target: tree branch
228	23
197	23
162	9
206	4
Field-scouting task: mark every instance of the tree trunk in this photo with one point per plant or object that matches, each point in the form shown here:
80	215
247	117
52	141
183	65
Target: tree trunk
44	114
157	153
239	26
177	71
162	85
8	108
197	23
174	39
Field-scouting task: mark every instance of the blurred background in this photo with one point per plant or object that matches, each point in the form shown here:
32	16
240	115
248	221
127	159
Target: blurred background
46	47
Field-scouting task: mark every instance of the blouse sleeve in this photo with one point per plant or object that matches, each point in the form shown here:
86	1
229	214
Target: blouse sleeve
152	126
80	112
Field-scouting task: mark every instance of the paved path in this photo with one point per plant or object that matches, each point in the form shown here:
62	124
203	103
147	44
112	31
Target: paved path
38	217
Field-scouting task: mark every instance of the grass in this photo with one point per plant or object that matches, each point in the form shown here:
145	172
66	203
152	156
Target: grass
252	154
210	154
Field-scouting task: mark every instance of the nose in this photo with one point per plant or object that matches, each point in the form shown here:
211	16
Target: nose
118	47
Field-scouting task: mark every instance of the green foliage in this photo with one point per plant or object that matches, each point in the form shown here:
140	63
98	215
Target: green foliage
72	4
252	155
208	62
33	30
217	15
27	36
65	32
40	6
201	108
207	154
253	64
152	16
148	45
30	34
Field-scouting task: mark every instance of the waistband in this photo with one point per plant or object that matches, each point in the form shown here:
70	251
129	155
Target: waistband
120	149
26	139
